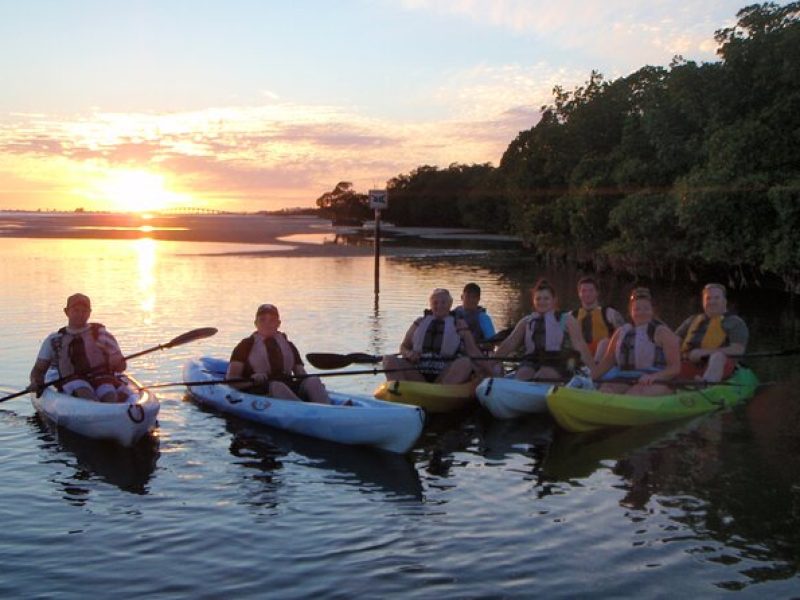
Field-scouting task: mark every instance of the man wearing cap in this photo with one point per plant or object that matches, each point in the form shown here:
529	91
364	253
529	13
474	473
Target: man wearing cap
272	363
85	352
479	322
712	339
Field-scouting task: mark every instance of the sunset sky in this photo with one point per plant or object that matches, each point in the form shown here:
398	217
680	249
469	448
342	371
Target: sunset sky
259	105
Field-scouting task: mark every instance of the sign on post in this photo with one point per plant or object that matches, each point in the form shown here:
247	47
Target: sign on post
378	199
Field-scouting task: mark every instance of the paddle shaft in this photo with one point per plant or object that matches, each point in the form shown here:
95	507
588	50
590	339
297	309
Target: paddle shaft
189	336
246	380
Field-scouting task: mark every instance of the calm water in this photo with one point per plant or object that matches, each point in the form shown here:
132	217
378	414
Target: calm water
214	507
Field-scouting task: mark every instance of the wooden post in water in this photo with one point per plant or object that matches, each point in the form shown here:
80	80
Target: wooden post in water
377	201
377	252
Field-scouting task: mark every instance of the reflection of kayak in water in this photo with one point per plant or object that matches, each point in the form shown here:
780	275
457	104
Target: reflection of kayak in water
578	456
128	468
586	410
773	417
501	439
265	449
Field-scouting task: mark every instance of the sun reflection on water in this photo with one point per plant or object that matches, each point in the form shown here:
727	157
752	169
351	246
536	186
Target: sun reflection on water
146	261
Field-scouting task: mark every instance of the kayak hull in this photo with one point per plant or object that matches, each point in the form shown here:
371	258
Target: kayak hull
121	422
367	422
433	397
586	410
508	398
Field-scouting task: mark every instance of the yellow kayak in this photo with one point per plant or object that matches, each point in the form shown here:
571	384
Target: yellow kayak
585	410
433	397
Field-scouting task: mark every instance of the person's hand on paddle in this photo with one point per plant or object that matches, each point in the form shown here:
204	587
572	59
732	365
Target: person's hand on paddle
697	355
37	387
260	378
649	378
411	356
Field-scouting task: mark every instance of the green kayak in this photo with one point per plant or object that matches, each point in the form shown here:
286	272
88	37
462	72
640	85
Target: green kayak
586	410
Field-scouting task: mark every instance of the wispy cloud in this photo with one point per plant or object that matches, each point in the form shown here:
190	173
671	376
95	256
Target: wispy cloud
266	156
630	33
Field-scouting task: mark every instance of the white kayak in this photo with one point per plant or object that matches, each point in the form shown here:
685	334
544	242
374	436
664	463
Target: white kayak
122	422
362	421
508	398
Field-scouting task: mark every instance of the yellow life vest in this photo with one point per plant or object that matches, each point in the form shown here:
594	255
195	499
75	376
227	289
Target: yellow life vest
706	333
594	325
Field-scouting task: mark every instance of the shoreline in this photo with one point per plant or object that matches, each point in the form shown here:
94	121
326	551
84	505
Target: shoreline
313	236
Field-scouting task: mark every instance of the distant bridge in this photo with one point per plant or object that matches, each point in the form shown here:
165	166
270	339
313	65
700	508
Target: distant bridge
191	210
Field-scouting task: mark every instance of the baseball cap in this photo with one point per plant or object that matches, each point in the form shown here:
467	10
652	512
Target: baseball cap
79	299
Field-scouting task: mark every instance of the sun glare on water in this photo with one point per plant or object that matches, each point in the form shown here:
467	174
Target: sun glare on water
139	191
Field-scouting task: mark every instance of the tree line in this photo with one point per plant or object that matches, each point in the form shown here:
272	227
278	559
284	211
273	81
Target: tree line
689	168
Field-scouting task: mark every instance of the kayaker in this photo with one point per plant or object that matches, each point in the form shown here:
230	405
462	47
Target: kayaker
646	351
437	346
597	322
542	333
84	350
271	362
479	322
712	339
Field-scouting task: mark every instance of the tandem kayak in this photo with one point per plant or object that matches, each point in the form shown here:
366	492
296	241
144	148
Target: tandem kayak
508	398
363	421
586	410
433	397
122	422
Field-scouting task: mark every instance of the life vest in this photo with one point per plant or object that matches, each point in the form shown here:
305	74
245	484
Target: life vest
258	357
436	336
545	332
637	349
472	319
83	351
706	333
594	325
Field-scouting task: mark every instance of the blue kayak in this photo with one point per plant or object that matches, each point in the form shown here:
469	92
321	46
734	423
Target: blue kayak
350	419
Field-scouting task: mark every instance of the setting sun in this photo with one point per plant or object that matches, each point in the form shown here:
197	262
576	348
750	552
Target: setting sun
139	191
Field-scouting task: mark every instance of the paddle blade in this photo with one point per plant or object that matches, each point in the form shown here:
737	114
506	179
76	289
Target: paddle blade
191	336
330	360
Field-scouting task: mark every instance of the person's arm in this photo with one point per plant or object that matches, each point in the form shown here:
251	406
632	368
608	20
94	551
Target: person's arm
614	317
609	358
671	345
513	341
38	372
407	345
109	344
236	369
578	343
471	346
487	326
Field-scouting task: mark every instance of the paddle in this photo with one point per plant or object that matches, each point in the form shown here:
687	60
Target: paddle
785	352
330	360
184	338
246	380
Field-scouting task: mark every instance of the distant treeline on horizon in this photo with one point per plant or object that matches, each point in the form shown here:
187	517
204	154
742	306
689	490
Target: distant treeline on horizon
668	172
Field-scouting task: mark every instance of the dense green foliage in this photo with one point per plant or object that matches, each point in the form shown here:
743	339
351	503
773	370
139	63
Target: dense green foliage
691	167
